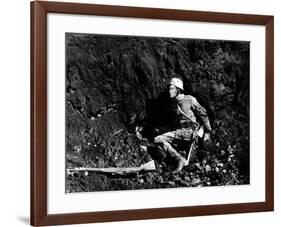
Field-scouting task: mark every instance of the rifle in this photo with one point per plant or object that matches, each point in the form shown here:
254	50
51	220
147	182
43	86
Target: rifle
198	133
149	166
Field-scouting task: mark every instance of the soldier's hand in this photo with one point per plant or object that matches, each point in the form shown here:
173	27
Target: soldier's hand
207	138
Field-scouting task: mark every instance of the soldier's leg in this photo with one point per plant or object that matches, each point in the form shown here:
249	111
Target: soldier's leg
165	140
184	134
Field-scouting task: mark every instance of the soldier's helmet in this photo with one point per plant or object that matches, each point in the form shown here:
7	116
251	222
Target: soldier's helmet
177	83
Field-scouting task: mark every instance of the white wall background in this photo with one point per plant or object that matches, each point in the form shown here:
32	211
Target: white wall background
14	112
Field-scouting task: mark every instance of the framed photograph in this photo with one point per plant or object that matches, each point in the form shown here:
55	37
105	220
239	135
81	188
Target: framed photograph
143	113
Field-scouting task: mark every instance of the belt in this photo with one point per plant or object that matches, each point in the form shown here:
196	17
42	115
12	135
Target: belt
187	124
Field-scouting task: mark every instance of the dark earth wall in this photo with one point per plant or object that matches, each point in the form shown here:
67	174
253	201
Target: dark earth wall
116	85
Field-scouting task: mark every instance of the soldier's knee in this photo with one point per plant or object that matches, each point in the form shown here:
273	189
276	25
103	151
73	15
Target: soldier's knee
158	139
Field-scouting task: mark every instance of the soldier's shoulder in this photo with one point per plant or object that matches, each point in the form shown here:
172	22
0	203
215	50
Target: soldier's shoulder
189	98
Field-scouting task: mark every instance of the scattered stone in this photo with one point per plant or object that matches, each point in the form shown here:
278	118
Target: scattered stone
208	169
220	165
171	183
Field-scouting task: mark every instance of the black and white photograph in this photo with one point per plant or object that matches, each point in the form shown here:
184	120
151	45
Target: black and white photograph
155	112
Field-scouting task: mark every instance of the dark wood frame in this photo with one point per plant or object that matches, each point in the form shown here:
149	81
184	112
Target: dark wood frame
39	11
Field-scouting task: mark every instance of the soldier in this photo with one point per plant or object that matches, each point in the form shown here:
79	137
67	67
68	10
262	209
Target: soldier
187	113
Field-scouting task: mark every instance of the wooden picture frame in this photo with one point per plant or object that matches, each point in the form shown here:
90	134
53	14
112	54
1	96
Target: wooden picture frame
39	124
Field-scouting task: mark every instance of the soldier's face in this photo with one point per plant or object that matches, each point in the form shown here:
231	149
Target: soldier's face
173	91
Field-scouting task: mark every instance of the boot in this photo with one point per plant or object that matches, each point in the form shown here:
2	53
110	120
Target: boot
180	166
182	162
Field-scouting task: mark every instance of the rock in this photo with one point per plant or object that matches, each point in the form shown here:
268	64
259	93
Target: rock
220	165
143	148
77	148
196	181
198	165
208	169
171	183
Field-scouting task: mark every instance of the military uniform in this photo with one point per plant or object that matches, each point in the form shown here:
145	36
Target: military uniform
189	112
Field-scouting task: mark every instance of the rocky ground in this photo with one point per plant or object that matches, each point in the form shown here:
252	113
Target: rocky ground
115	98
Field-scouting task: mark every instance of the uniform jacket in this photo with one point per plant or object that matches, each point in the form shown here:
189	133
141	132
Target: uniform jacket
190	111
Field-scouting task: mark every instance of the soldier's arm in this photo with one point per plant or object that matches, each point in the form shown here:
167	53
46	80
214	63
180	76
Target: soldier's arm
201	113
